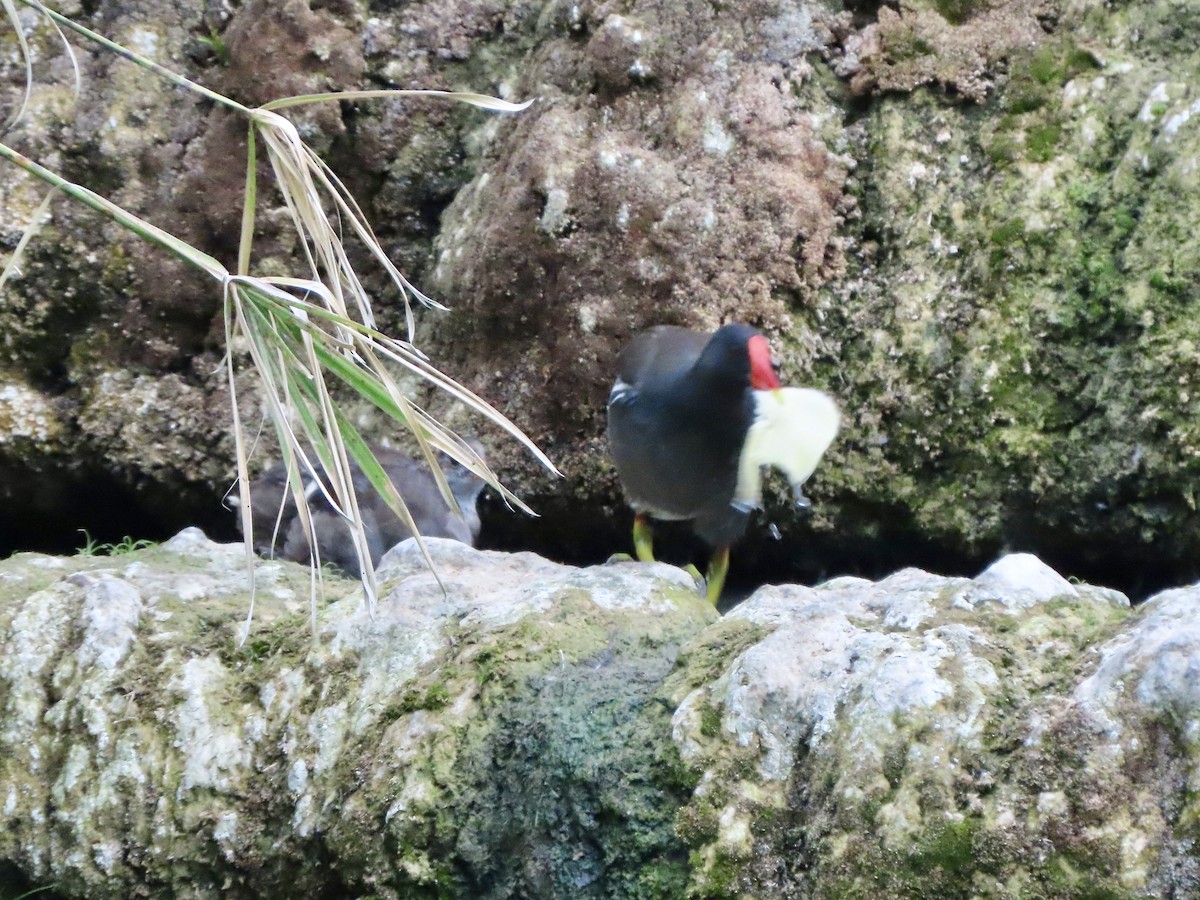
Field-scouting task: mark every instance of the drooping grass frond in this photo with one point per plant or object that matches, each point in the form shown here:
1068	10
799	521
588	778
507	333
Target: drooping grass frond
294	342
312	192
10	12
482	101
135	224
41	215
299	330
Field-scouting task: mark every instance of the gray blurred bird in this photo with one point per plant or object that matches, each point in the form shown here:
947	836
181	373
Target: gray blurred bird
382	527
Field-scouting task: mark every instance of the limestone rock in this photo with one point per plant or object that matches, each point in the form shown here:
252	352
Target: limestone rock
146	749
960	218
1009	735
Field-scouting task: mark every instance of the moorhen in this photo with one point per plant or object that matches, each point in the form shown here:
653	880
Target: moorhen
382	527
693	418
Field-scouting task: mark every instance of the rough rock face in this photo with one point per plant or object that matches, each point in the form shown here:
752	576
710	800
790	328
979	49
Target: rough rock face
961	218
476	740
1015	325
534	729
1014	735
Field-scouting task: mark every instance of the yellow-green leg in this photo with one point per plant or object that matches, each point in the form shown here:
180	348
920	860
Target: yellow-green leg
643	538
718	568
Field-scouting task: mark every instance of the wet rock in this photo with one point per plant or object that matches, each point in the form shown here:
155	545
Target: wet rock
960	218
918	735
147	747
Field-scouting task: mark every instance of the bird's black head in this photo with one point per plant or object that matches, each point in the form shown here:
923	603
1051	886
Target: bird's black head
738	355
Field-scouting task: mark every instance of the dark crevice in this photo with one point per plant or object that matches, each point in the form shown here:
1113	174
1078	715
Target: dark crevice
47	507
870	542
14	885
855	108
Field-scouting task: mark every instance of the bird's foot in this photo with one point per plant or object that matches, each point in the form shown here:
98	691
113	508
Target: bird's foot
618	558
696	577
718	568
712	590
801	502
643	538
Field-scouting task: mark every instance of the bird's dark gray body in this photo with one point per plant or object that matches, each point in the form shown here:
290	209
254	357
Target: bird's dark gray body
677	416
382	527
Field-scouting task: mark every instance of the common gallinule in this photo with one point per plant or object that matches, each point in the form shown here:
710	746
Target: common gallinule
693	418
382	527
425	503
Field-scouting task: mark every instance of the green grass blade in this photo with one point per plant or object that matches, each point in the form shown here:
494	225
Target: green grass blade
249	203
125	53
127	220
242	457
10	12
379	480
482	101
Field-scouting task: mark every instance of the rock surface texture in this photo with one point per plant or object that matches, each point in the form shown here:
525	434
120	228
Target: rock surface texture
963	219
536	730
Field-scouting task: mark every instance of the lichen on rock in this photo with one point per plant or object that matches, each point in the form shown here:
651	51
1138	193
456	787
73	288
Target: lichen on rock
1015	734
924	734
1022	371
405	749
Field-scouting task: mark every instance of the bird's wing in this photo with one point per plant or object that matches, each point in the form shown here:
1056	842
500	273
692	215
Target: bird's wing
660	355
